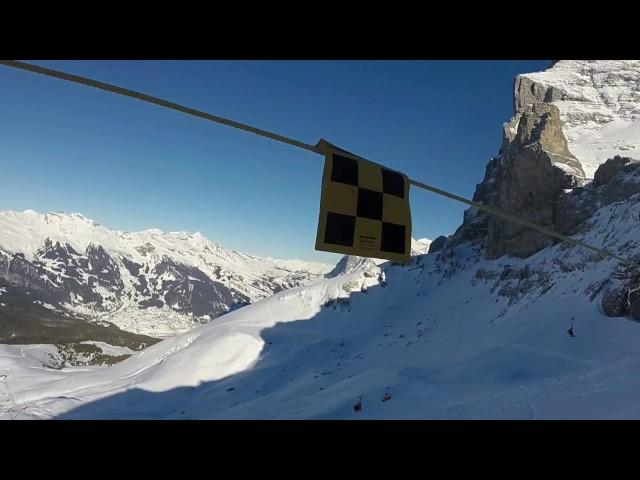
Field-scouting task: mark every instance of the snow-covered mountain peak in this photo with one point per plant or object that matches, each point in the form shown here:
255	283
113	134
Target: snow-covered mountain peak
420	246
599	105
52	217
148	282
25	232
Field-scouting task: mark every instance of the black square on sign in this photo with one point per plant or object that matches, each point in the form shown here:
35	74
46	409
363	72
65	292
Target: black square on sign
344	170
369	204
393	238
340	229
392	183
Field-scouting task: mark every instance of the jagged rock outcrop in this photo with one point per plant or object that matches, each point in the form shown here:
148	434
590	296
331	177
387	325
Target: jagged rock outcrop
622	297
537	176
526	179
438	244
614	303
615	180
608	170
528	92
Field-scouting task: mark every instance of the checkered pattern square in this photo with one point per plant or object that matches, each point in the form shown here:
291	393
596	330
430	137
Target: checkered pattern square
365	208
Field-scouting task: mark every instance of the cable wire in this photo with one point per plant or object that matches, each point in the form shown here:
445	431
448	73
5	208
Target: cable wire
296	143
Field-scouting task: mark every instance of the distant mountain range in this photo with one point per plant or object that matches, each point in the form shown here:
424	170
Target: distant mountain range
148	282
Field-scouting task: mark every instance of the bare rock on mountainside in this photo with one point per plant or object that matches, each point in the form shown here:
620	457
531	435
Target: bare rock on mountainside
615	180
545	159
533	169
572	124
438	244
614	303
528	92
608	170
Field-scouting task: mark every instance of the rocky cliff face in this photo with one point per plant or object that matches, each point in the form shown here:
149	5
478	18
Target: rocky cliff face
599	106
536	167
559	167
533	169
527	178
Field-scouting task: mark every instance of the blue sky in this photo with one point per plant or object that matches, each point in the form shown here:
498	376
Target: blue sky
131	166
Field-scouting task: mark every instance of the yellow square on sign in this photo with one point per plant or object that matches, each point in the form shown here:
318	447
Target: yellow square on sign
364	208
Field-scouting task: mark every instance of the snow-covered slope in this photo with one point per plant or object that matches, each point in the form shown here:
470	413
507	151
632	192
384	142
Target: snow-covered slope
349	263
599	104
450	336
146	282
420	246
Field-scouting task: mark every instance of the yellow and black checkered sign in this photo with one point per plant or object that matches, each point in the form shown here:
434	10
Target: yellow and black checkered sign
364	208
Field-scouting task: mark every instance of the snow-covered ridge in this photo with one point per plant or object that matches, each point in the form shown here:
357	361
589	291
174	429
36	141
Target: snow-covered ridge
420	246
599	104
147	282
350	263
25	232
